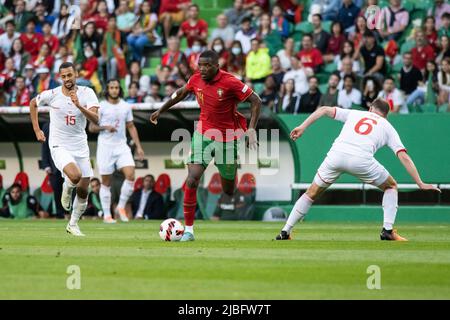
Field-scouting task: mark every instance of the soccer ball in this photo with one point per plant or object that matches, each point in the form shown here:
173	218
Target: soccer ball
171	230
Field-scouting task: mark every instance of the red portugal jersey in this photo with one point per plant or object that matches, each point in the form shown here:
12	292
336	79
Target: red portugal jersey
218	101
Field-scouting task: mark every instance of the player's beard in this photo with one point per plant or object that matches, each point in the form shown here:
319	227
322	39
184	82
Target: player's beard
69	85
114	99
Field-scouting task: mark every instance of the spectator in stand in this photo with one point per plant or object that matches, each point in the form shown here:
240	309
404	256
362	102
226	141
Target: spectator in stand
444	82
349	96
19	56
444	30
393	96
310	100
236	14
347	51
373	57
146	203
395	18
256	14
21	16
21	96
223	31
193	28
289	99
125	18
257	65
277	71
31	40
112	53
94	206
265	27
347	14
44	58
291	9
320	36
410	76
28	75
43	81
430	32
440	8
173	56
245	35
272	39
327	8
184	74
42	17
297	73
164	75
19	205
422	52
7	38
279	23
89	68
133	93
172	12
444	49
270	94
62	27
310	57
100	18
371	89
136	75
9	73
61	57
49	38
218	46
330	97
154	94
198	47
356	36
431	80
144	32
286	53
92	37
263	4
335	42
236	64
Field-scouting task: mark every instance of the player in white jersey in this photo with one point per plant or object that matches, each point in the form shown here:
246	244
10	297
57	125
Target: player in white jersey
113	152
364	132
70	105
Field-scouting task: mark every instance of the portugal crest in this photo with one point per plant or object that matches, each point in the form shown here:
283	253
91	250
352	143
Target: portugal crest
220	93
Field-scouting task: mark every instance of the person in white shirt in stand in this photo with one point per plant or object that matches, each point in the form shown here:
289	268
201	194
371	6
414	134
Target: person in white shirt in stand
70	106
393	96
349	95
364	132
113	152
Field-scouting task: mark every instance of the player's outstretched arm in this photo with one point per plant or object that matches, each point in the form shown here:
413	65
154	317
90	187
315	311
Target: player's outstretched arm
176	97
135	136
40	136
407	162
319	113
95	128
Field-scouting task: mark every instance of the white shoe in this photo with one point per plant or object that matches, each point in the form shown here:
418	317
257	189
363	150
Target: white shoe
66	200
109	220
74	230
122	214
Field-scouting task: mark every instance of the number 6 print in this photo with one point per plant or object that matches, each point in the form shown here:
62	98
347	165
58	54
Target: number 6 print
364	127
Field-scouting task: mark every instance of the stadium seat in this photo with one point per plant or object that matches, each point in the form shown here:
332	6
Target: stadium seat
163	187
330	67
23	180
44	195
407	46
304	27
138	184
245	209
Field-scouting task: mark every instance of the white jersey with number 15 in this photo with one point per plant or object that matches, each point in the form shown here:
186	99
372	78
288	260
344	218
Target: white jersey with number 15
364	133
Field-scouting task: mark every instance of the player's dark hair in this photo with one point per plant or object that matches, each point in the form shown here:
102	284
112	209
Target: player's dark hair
381	105
106	93
65	65
210	54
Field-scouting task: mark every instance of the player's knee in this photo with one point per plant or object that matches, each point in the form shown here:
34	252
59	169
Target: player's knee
75	177
312	193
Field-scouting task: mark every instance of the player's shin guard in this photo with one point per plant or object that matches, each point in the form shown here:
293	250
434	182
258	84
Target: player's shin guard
79	206
300	209
125	193
105	199
390	205
190	203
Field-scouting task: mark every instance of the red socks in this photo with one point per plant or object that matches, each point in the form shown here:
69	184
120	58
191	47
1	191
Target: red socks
190	203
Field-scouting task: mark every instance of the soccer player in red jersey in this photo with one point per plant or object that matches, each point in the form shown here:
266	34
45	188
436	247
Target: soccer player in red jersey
217	133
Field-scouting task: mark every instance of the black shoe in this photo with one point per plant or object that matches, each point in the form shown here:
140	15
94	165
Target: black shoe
391	235
283	236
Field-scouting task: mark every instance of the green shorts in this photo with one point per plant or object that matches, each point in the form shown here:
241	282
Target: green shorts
225	154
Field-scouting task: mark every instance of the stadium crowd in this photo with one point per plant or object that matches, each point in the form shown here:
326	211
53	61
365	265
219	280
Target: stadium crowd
296	54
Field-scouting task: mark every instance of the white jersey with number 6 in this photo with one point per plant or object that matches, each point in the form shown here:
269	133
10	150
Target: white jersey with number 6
364	133
117	116
67	122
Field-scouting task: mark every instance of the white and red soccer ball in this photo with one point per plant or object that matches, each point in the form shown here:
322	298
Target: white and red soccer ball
171	230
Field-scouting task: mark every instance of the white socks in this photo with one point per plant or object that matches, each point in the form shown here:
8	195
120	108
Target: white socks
105	199
300	209
189	229
79	206
125	193
390	205
68	186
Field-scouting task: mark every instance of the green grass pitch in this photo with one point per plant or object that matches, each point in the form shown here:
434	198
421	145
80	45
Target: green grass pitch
229	260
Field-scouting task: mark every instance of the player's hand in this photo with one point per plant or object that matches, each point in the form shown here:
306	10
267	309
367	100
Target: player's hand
426	186
140	153
74	98
252	139
154	117
40	136
109	128
297	133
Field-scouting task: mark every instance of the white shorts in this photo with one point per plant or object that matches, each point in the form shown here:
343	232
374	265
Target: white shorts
369	171
62	157
110	158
